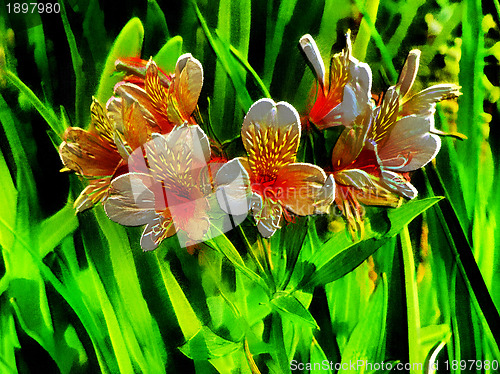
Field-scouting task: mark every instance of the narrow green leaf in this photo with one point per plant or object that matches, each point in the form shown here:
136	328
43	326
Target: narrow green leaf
206	345
127	44
45	111
77	61
228	62
188	321
289	306
412	310
167	56
400	217
54	229
222	244
363	347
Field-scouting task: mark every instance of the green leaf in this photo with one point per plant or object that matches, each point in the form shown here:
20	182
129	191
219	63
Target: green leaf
290	307
402	216
54	229
368	338
340	265
167	56
318	356
127	44
224	246
228	61
347	255
206	345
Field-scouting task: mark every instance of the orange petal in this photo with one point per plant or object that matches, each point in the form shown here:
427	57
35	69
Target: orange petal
88	154
188	82
298	187
351	141
100	122
92	194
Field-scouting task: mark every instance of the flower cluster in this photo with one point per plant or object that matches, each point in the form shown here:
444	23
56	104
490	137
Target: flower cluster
380	144
146	158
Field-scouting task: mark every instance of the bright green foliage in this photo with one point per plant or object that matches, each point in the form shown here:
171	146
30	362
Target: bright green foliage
77	289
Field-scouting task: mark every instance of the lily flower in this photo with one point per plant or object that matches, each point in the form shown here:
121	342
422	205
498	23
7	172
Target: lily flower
93	155
171	100
358	175
135	69
171	196
269	181
343	91
128	122
403	135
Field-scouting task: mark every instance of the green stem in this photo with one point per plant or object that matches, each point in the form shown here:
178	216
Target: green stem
76	60
413	314
363	39
386	55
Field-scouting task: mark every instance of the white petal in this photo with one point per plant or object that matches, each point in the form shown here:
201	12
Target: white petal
409	72
311	50
409	145
361	80
130	201
267	112
326	196
233	192
398	184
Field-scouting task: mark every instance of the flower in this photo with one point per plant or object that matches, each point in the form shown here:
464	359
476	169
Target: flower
171	195
128	122
403	135
357	175
342	92
171	100
269	181
372	160
93	155
135	71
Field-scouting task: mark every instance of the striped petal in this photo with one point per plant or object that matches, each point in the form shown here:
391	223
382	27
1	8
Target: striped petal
299	186
424	103
131	201
409	145
271	135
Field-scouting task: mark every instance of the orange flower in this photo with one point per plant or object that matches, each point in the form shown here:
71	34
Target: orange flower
171	196
343	92
403	135
358	175
93	155
270	182
102	152
171	102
